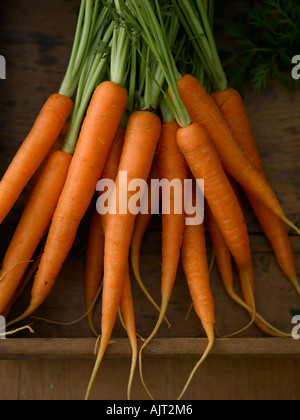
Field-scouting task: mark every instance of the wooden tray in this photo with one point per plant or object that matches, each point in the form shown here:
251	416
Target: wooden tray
36	40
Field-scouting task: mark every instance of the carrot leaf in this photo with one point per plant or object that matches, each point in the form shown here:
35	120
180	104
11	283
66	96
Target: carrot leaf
295	312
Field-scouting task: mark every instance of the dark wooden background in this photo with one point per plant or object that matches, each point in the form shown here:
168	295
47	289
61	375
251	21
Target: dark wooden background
36	38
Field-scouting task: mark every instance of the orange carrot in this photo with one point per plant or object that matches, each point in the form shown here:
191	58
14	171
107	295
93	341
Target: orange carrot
204	163
127	309
141	225
195	265
204	111
224	262
223	256
58	145
98	131
34	222
171	167
141	139
94	266
95	249
33	151
233	109
126	303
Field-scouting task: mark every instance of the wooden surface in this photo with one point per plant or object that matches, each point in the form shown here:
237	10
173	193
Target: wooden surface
171	348
35	38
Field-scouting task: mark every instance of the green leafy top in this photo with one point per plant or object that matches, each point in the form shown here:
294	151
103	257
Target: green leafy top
268	37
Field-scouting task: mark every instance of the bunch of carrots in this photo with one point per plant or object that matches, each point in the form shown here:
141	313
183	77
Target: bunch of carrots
125	106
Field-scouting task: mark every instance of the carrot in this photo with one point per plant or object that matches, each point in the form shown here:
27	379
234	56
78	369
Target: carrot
224	262
126	307
98	131
259	321
33	151
141	225
203	110
171	167
127	310
33	224
233	109
95	249
141	139
94	266
58	145
195	265
202	158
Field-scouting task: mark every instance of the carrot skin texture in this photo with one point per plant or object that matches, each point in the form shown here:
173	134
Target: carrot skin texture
98	131
204	163
194	261
171	166
223	256
141	139
94	264
33	151
195	265
204	111
127	309
33	224
58	145
96	239
141	224
233	109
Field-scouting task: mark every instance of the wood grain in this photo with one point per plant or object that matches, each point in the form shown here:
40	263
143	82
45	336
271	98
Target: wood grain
36	38
179	348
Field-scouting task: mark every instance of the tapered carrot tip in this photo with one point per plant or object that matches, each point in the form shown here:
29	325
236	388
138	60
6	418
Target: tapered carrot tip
291	224
25	315
211	342
295	283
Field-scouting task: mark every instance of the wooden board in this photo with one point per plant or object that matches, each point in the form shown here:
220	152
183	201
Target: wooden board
172	348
